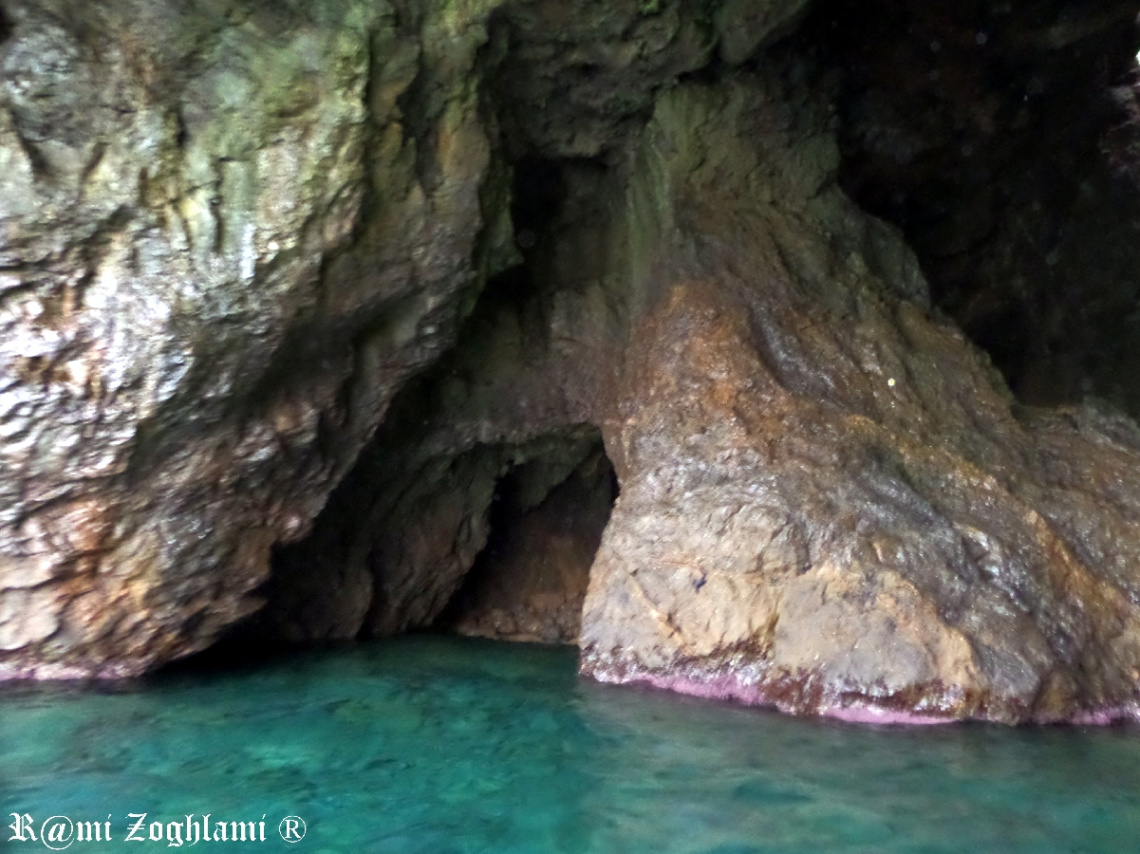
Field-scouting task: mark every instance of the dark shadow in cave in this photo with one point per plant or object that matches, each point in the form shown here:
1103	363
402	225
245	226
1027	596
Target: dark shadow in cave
430	532
539	192
529	582
1008	162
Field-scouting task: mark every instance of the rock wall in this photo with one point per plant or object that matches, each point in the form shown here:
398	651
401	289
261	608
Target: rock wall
228	234
1000	138
829	500
522	392
529	583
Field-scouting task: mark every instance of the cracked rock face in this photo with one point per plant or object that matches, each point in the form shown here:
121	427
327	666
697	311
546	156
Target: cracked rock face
829	500
228	233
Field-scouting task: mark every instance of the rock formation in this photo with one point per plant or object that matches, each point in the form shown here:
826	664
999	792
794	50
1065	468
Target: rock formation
228	233
792	435
998	137
529	582
334	307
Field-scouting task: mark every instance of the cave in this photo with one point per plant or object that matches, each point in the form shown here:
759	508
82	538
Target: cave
529	582
319	345
1020	219
465	513
550	404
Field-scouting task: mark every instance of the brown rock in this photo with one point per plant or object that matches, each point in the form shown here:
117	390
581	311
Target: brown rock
516	399
530	582
232	244
829	501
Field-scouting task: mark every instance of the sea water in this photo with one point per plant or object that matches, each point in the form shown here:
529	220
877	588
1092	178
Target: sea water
436	745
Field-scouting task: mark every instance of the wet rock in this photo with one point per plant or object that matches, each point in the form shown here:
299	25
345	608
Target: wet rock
522	391
237	248
578	77
227	236
227	239
829	500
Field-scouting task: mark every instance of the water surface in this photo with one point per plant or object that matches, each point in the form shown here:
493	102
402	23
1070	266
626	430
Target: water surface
437	745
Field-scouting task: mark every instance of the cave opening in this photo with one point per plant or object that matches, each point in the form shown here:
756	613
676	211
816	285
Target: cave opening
478	506
529	582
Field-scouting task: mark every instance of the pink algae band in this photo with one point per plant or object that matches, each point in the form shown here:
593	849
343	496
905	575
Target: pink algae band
1107	715
729	688
863	713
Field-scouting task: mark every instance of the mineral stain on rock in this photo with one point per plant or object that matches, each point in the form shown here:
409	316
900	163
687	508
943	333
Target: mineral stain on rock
557	321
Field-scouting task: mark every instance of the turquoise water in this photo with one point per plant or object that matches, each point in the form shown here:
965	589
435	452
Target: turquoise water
441	745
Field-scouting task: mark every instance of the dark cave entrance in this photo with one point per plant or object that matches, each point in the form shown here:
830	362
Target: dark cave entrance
479	505
554	495
529	582
509	547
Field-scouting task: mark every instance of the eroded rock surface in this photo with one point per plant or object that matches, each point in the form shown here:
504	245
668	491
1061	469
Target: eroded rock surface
238	245
829	501
523	391
529	583
578	77
228	233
